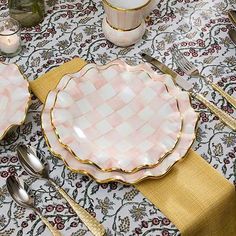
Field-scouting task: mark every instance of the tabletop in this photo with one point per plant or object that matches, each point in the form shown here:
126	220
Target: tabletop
73	29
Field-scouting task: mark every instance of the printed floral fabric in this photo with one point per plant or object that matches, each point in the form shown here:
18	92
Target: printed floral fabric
73	29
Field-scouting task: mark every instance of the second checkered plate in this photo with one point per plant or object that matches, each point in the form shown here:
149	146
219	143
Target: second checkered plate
117	118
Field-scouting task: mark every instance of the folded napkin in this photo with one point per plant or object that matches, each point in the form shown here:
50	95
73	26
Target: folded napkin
193	195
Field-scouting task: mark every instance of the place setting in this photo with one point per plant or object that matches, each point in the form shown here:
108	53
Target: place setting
143	113
136	125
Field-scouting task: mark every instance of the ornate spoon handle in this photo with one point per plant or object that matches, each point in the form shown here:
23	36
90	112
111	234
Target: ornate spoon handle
223	116
93	225
53	230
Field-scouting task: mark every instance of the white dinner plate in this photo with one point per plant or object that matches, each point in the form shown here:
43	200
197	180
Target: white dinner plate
117	117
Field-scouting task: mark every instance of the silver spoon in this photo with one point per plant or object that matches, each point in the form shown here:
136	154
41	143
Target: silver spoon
232	35
36	165
20	193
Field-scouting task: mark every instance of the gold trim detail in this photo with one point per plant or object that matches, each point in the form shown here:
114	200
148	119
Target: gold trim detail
26	106
122	30
87	161
83	172
125	9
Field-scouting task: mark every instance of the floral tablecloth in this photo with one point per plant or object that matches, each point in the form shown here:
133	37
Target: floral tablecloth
73	29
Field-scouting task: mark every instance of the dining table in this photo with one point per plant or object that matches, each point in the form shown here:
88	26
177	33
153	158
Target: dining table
73	29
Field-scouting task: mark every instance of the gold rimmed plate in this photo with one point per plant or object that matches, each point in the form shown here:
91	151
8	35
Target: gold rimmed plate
114	116
15	97
187	137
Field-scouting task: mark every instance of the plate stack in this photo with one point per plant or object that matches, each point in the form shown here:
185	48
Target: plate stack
118	122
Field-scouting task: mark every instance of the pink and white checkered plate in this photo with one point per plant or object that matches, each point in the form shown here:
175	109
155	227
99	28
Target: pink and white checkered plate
117	117
186	139
15	97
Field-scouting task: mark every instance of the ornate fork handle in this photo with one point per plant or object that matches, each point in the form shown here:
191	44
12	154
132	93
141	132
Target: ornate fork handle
93	225
223	116
222	92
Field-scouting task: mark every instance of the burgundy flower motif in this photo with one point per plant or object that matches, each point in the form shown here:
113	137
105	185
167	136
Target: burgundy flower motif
28	37
59	208
138	231
205	119
226	161
58	219
32	216
155	221
202	114
4	159
144	224
221	84
4	174
45	35
60	226
113	185
78	185
231	154
70	210
165	221
39	70
85	178
49	208
73	224
202	106
186	53
165	233
12	170
59	60
32	139
14	159
233	78
24	224
104	186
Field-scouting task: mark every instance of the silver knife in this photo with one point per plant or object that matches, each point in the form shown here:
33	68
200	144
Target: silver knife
187	86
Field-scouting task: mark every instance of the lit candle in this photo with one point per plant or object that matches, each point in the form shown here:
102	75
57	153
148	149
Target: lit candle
10	37
9	43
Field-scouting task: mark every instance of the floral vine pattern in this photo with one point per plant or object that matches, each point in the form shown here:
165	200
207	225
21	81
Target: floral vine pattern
73	29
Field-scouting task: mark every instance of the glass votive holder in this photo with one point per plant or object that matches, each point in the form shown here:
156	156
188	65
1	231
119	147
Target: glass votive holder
10	37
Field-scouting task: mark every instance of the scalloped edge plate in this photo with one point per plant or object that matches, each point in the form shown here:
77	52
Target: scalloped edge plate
143	110
185	142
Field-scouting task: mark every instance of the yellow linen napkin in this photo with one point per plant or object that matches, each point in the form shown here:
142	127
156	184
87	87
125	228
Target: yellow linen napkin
194	196
42	85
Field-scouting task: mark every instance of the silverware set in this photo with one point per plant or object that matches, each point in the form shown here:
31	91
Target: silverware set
190	69
36	165
232	32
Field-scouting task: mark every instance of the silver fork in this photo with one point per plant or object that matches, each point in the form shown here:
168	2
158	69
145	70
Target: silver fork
189	68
